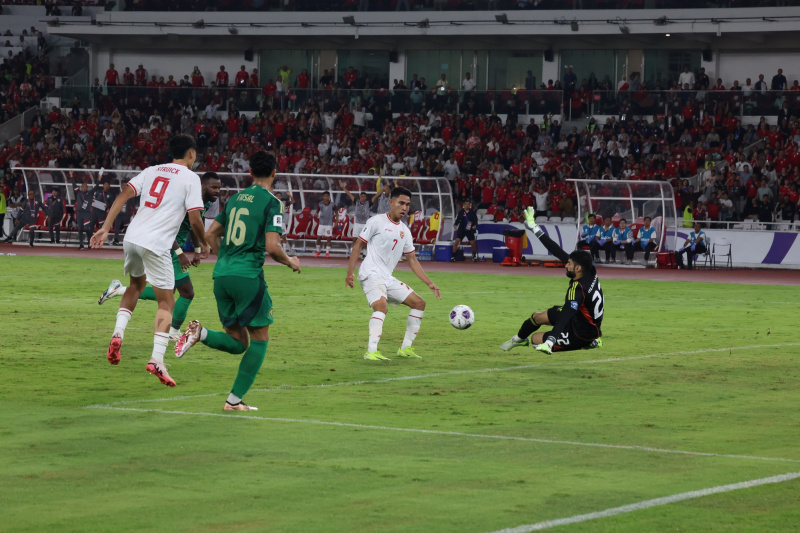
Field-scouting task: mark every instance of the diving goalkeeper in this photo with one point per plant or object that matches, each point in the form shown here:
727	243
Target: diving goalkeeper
576	324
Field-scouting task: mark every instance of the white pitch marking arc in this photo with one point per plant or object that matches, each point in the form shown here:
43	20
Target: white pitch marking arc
646	504
456	373
447	433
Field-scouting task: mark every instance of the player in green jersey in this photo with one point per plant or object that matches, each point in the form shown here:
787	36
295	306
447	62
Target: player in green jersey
180	264
250	224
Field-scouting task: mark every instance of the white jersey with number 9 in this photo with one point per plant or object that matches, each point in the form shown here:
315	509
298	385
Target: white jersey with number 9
167	193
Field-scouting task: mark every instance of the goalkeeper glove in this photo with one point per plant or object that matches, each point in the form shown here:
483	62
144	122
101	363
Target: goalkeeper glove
530	222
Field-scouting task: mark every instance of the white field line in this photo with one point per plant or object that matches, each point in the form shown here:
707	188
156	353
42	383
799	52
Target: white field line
341	295
651	503
449	433
456	373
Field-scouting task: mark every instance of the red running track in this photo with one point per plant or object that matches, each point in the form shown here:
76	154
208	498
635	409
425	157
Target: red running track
744	276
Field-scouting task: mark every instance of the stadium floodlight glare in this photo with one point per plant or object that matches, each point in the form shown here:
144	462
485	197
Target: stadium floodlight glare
574	25
233	30
424	24
349	20
502	18
200	24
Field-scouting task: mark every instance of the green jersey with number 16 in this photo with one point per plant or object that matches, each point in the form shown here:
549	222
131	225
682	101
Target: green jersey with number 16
247	218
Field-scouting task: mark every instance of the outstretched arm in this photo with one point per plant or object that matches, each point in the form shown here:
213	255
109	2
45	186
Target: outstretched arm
552	247
416	268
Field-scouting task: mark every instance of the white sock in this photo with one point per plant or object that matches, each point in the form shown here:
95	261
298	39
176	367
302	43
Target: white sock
327	249
412	327
375	330
233	399
203	334
517	338
160	341
123	317
119	292
318	248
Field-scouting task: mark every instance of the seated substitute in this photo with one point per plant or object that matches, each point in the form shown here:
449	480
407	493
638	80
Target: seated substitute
646	239
588	239
577	322
695	244
623	241
465	226
605	239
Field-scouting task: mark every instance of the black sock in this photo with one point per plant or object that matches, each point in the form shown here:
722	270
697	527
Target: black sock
527	329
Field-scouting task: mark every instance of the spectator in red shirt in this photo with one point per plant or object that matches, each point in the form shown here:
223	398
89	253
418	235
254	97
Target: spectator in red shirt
112	76
197	78
222	77
242	78
127	77
141	76
350	78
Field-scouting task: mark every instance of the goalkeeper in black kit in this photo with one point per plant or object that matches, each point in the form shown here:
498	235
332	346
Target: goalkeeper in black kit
576	324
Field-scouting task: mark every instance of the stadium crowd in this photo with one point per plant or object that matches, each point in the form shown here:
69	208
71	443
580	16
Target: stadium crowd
501	163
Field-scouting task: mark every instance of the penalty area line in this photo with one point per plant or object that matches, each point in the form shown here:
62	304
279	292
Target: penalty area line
646	504
456	373
447	433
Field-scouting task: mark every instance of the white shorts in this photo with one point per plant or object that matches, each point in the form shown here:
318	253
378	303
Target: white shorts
357	229
325	231
394	290
142	262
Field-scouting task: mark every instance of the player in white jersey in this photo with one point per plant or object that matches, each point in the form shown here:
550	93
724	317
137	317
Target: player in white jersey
389	240
168	192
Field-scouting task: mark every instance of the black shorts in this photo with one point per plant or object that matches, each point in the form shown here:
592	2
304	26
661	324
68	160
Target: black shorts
470	235
568	339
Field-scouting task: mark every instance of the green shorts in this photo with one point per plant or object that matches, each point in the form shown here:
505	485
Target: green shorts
243	301
181	277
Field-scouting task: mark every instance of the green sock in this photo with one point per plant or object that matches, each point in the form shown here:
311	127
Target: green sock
251	363
219	340
179	311
148	294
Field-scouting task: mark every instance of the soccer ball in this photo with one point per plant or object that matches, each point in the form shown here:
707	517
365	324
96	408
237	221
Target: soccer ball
462	317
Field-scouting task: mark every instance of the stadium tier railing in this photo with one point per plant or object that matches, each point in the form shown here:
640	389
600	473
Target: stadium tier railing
632	200
538	102
744	103
431	214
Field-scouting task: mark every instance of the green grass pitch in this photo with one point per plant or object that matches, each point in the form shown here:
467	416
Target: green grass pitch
476	440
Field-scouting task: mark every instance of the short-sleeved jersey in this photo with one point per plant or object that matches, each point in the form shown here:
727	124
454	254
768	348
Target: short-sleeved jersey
247	218
167	193
186	227
388	241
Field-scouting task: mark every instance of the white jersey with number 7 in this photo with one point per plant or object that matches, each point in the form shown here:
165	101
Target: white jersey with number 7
168	192
387	242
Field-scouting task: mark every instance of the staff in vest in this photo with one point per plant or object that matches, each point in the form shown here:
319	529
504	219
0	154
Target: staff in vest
694	245
30	211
